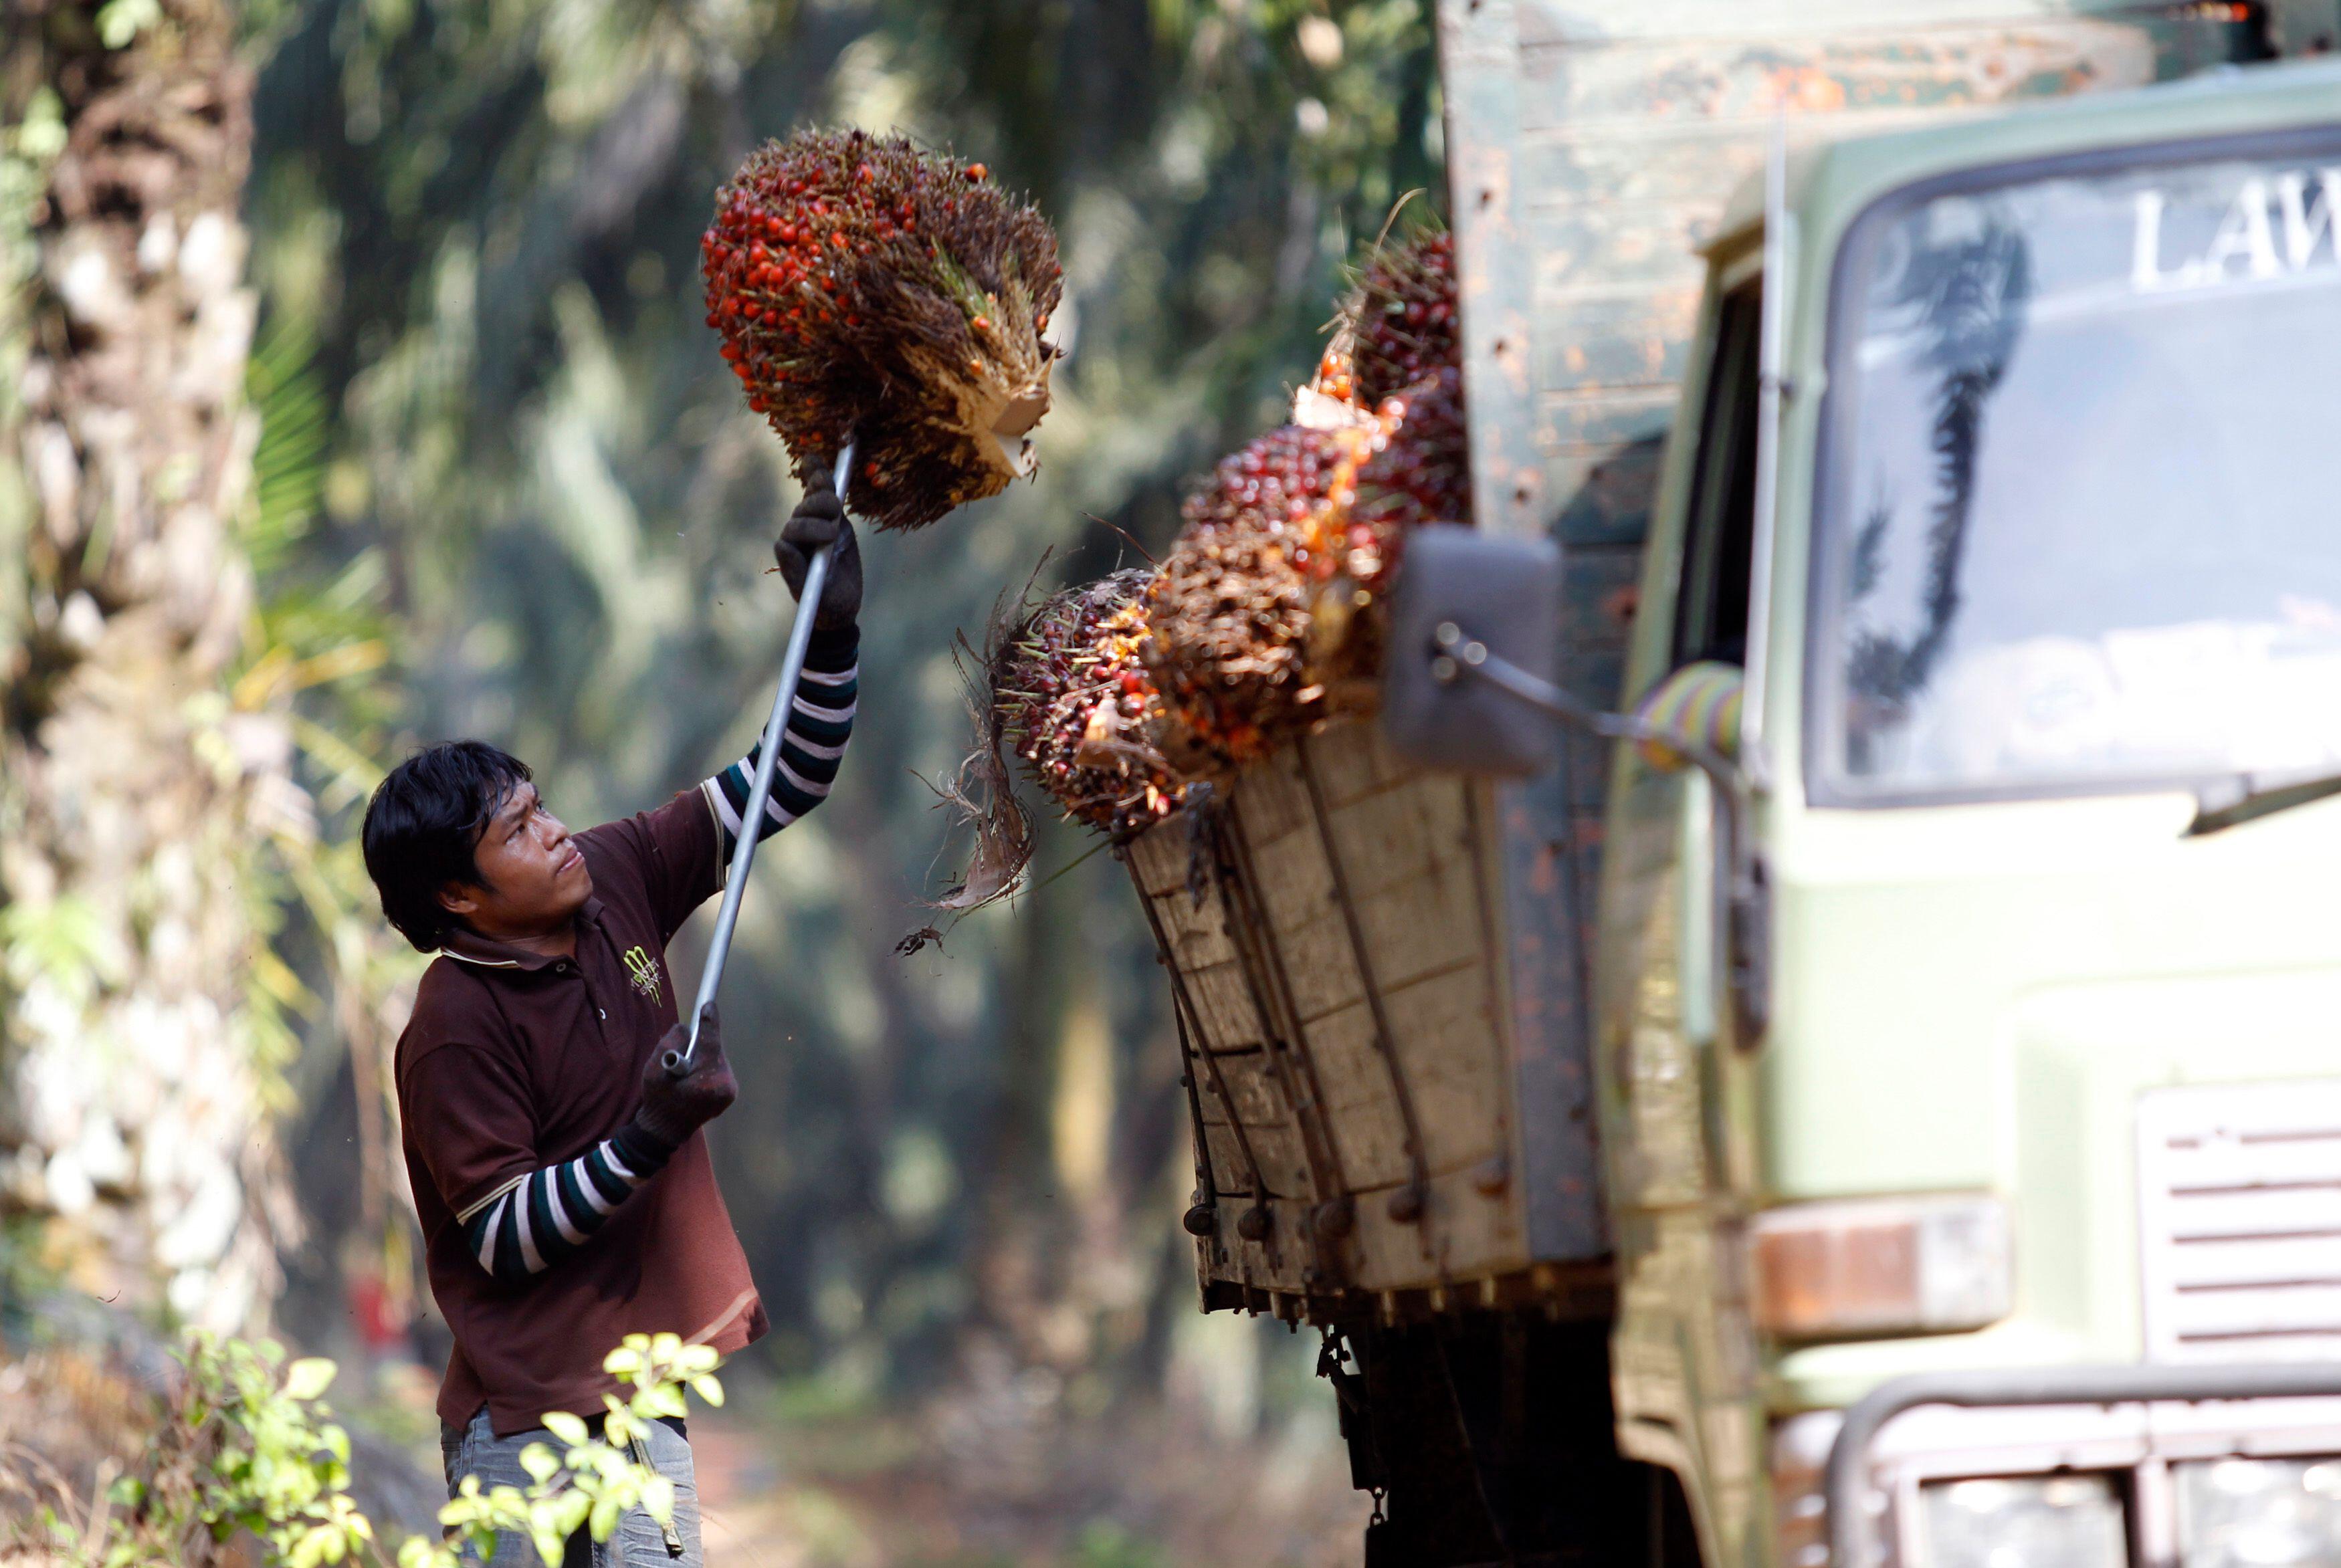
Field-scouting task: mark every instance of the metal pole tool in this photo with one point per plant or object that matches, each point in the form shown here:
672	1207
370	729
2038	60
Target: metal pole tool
752	815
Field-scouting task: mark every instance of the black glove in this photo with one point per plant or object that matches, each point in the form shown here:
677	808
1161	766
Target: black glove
820	519
674	1107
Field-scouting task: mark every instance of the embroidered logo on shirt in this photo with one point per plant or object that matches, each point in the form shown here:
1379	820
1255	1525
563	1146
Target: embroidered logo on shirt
645	971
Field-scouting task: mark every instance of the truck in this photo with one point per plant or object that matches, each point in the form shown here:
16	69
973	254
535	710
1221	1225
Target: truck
1912	1135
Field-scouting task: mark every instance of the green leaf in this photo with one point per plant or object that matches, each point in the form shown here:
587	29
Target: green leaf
307	1378
708	1389
569	1511
619	1425
570	1429
658	1499
119	22
538	1461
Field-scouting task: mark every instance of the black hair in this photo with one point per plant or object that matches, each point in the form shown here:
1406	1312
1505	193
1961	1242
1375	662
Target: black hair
422	825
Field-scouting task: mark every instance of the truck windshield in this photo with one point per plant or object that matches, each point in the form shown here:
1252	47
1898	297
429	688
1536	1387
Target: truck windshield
2081	517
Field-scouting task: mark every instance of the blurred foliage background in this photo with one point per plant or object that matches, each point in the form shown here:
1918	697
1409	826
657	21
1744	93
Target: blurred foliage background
503	488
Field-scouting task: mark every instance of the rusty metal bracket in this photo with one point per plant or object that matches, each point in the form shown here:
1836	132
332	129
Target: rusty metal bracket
1182	1006
1202	1218
1413	1199
1476	830
1263	959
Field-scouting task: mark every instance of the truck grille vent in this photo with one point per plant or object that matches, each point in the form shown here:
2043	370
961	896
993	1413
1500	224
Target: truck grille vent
2239	1241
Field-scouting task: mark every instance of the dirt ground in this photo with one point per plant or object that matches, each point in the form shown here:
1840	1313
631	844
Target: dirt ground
996	1482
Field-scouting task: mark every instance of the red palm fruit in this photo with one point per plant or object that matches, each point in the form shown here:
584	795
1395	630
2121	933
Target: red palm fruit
1403	318
888	352
1422	474
1071	699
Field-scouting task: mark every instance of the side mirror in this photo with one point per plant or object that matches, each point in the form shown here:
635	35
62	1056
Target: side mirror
1504	593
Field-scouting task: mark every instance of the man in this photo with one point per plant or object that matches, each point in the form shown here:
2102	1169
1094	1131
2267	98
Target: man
564	1186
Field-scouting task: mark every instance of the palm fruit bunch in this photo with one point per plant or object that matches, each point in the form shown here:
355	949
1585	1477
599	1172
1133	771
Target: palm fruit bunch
1403	317
1073	700
1229	615
866	289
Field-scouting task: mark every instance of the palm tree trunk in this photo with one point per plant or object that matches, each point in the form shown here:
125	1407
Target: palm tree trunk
135	793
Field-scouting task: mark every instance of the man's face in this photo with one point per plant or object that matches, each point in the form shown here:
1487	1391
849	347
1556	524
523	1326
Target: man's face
532	875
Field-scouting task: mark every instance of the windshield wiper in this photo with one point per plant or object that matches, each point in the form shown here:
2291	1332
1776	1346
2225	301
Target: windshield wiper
2247	797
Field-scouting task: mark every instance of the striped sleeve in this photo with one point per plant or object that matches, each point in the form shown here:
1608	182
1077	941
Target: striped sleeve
811	746
523	1229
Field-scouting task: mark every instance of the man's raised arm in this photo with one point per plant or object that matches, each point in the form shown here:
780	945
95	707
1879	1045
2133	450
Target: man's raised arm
821	721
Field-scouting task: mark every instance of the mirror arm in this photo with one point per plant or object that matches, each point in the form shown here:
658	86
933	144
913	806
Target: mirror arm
1460	654
1456	655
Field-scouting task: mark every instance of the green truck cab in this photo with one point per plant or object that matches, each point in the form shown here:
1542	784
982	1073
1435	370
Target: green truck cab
1912	1135
2021	1121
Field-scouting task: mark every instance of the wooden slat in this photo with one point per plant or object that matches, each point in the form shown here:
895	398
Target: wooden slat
1370	1135
1253	1084
1223	1002
1612	343
1448	1057
1272	799
1469	1233
1620	250
1198	933
1549	22
1391	840
1283	1164
1658	80
1293	884
1600	420
1479	68
1353	760
1436	927
1158	859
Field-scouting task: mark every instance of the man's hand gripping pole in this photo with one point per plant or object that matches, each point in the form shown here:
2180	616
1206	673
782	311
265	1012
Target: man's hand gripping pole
751	815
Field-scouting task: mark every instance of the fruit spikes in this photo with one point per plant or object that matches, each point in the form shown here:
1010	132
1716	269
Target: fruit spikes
866	289
1331	396
1403	317
1071	698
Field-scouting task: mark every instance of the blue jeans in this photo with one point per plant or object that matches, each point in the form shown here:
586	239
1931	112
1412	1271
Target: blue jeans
639	1543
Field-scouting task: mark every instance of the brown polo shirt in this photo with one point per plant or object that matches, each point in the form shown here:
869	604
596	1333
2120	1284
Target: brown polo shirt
514	1061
